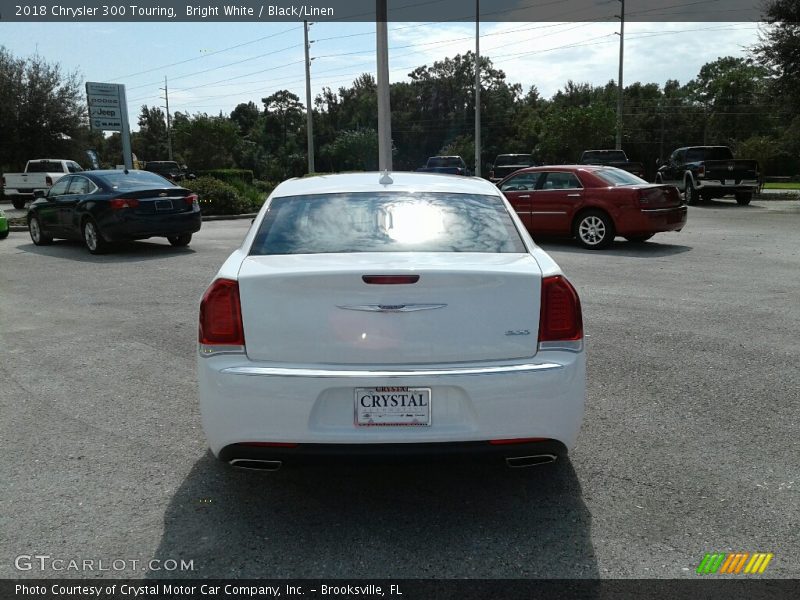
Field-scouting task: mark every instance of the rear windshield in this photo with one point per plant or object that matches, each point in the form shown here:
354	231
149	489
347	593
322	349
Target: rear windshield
387	222
712	153
44	167
513	159
445	162
618	177
135	180
605	156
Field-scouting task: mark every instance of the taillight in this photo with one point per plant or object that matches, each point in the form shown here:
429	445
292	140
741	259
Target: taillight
560	320
191	200
221	327
491	174
120	203
48	180
390	279
701	171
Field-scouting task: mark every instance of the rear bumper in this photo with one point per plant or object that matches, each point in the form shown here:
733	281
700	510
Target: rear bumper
315	409
719	188
131	226
653	220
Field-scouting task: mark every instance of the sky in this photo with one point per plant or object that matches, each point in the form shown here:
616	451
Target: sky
212	67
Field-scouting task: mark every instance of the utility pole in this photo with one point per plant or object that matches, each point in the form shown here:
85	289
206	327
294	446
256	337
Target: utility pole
620	86
309	116
477	88
169	120
384	106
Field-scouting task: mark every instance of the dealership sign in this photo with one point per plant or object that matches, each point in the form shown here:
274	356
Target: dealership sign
106	108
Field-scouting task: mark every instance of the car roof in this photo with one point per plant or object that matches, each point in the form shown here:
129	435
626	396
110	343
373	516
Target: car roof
402	181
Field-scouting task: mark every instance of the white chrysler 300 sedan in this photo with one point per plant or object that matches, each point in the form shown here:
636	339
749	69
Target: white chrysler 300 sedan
389	316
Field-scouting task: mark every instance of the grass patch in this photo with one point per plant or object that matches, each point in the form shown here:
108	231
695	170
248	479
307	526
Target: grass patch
782	186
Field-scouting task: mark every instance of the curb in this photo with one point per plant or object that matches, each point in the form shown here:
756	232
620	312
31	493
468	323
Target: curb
208	218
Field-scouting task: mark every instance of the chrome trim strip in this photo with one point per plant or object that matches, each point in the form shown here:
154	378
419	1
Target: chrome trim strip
390	307
207	350
660	210
549	212
349	373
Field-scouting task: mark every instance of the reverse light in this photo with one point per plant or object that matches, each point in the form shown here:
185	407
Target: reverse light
191	200
221	329
560	318
120	203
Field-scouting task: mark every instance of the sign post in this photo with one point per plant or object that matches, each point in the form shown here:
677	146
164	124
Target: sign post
108	111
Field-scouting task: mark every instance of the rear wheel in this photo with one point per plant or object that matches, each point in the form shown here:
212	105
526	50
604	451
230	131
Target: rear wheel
180	240
38	237
743	199
18	202
92	238
594	230
638	239
690	195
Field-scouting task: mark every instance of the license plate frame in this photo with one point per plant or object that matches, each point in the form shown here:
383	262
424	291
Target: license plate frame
730	182
164	205
396	406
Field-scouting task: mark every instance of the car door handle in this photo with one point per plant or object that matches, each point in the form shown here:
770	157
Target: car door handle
573	195
524	196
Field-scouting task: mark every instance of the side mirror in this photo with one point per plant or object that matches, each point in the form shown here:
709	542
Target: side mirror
39	194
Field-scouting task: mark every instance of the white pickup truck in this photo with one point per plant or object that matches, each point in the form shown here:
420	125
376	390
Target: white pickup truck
39	174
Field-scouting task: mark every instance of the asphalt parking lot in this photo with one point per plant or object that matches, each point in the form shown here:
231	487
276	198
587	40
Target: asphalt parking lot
690	442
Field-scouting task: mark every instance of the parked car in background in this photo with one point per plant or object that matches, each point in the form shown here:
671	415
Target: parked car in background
505	164
708	172
345	327
592	204
4	229
39	175
169	169
446	165
612	158
102	207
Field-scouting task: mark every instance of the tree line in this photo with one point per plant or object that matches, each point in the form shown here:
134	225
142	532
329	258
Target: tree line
750	103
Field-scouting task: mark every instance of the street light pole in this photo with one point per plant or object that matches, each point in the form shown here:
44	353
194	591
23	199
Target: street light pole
477	88
309	115
169	121
384	106
619	82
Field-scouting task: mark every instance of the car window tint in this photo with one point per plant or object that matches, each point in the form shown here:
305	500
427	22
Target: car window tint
45	166
513	159
387	222
135	180
59	187
560	180
618	177
520	183
79	185
73	167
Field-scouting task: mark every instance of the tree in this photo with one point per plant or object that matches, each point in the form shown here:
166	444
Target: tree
284	109
150	143
245	116
353	149
206	142
779	49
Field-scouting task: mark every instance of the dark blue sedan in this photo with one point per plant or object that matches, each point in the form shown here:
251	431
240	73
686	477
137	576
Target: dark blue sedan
102	207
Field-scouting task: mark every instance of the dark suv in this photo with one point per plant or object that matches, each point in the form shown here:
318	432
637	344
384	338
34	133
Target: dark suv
169	169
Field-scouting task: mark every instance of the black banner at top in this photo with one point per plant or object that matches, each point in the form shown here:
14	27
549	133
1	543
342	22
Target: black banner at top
365	10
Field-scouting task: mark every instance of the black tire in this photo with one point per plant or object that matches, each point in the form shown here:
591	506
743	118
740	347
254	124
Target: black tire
4	234
659	179
17	202
690	195
38	236
594	230
638	239
180	240
92	238
743	198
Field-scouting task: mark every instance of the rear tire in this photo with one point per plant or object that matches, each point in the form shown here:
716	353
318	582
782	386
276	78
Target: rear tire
690	195
594	229
18	202
38	236
743	199
180	241
4	234
638	239
92	238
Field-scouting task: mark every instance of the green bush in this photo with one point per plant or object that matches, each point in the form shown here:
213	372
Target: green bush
217	197
229	175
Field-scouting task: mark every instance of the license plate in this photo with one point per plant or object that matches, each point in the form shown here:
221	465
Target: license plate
393	406
163	204
730	182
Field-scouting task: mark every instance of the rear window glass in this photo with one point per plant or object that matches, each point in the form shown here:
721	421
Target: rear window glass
713	153
134	180
445	162
605	156
44	167
619	177
387	222
513	159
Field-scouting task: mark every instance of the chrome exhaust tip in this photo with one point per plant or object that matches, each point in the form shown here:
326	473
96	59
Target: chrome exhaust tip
254	464
519	462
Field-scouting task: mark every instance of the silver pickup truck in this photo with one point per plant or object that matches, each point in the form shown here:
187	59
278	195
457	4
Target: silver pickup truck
39	174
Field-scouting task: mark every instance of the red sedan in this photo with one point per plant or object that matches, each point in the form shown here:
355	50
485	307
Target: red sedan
592	203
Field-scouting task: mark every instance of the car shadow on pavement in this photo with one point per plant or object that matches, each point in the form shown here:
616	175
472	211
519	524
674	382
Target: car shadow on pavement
122	252
726	204
424	521
648	249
